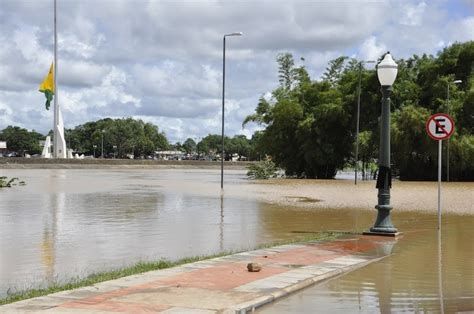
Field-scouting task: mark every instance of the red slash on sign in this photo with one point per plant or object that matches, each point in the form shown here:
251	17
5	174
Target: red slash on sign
440	126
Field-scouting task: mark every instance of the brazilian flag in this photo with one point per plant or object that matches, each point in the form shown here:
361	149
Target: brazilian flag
47	87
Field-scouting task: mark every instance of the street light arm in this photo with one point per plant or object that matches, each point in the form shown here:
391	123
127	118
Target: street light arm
234	34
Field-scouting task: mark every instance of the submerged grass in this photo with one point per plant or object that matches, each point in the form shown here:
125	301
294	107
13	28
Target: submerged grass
142	267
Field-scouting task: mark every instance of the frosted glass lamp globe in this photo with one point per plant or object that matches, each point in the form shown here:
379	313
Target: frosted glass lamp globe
387	70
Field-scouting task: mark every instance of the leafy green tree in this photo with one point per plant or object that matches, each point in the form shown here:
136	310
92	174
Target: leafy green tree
257	149
286	71
334	71
306	128
409	135
462	157
368	150
21	140
240	145
129	136
211	144
310	125
189	146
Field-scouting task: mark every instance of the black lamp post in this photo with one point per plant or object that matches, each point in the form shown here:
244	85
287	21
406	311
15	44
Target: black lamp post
387	72
223	97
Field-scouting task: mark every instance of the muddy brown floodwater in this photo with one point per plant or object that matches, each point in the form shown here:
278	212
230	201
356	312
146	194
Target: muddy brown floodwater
69	223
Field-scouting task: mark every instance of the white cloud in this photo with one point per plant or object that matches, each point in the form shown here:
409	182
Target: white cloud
413	14
371	50
5	114
464	29
72	45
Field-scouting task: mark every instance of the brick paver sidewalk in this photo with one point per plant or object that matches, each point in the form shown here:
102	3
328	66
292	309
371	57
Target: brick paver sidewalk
219	285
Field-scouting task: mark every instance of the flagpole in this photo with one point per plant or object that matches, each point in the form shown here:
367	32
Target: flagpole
56	108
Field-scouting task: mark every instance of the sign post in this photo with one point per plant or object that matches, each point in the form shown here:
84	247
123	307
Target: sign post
439	127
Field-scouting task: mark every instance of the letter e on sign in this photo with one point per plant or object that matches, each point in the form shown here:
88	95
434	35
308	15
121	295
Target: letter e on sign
440	126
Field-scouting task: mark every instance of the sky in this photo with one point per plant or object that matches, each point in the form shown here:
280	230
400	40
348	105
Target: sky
161	61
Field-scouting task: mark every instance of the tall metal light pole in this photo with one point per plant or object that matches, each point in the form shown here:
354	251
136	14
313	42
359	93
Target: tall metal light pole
56	142
447	146
358	118
102	133
223	97
387	72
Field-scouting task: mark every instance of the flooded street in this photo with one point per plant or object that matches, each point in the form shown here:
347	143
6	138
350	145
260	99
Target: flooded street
410	280
69	223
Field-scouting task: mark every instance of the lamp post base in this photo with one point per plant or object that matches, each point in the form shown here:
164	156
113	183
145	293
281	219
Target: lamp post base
383	224
383	234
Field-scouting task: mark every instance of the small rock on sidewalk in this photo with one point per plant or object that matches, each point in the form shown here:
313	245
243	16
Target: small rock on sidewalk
254	267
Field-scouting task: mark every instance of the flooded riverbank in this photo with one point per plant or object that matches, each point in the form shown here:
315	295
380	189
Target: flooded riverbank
69	223
421	275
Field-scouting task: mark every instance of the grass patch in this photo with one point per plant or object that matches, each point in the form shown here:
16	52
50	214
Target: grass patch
9	182
142	267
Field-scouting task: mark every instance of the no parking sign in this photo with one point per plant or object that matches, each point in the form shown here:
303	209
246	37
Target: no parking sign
439	127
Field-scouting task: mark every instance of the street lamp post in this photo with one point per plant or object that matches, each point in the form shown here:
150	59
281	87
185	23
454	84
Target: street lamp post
358	118
102	133
387	72
447	146
223	97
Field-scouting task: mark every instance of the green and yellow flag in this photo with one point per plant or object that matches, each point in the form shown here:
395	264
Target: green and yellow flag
47	87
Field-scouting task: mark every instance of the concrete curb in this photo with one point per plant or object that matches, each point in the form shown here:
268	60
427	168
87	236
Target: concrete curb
252	305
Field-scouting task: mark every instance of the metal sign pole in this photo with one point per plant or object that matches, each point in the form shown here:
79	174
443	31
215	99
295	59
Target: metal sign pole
439	182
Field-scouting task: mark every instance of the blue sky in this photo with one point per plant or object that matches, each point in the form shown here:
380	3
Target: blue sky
161	61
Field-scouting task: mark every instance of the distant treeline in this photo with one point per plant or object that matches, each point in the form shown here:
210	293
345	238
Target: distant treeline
122	137
310	125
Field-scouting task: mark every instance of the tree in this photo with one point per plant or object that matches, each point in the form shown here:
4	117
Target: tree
21	140
240	145
414	152
130	136
307	129
257	149
286	71
334	70
189	146
211	144
310	125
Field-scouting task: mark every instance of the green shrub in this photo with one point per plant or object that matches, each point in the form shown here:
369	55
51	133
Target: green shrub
8	183
262	170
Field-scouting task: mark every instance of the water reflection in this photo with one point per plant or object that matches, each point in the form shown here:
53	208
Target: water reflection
47	246
221	225
440	269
